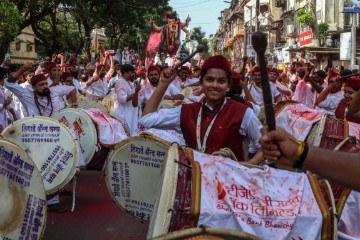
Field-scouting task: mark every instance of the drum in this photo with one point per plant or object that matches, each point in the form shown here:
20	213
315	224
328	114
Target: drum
108	102
87	104
80	97
22	195
297	119
133	171
170	103
52	147
93	129
187	91
198	189
205	233
328	132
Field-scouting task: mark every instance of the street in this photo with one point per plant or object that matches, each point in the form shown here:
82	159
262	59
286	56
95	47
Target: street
96	215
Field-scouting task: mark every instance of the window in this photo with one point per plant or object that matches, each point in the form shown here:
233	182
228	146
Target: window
18	46
29	47
348	19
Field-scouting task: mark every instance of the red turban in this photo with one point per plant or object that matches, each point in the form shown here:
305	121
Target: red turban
98	67
68	66
353	82
333	74
274	70
256	69
153	68
37	78
301	70
66	74
236	78
52	65
217	61
185	68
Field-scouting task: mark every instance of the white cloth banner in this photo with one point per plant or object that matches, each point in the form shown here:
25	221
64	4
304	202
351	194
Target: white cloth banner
348	223
269	203
354	130
110	130
297	119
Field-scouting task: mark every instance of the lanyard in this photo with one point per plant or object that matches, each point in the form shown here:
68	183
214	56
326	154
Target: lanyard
202	147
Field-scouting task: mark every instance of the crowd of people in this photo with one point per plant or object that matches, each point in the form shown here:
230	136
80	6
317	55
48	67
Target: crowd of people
213	106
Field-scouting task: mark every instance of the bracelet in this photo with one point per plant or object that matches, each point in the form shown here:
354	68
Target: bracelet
73	105
300	160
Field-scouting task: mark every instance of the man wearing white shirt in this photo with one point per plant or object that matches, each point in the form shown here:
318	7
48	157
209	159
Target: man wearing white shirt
97	87
331	96
183	74
169	61
255	88
42	101
172	93
126	105
315	85
157	59
4	101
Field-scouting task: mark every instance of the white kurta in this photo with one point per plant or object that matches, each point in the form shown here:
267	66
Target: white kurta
170	119
3	119
300	93
97	89
27	98
331	102
177	82
148	90
256	93
124	110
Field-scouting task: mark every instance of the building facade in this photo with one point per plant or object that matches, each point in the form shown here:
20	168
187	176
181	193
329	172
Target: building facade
288	39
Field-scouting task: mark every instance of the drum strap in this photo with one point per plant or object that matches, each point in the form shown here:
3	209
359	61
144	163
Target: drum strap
202	147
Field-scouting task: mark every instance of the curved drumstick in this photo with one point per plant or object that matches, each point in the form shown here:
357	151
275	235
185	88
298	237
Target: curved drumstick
200	48
259	43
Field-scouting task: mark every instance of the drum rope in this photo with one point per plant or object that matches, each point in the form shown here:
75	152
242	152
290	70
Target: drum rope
185	165
73	197
225	152
333	210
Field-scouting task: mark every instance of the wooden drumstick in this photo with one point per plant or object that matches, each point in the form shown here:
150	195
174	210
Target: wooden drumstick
259	43
243	68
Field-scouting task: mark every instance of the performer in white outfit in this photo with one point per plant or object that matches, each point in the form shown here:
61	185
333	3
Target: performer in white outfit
126	107
97	86
172	93
4	102
42	101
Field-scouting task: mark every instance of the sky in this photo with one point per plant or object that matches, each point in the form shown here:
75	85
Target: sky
203	13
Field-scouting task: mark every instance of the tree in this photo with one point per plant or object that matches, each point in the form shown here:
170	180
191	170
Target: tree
213	45
132	30
9	25
308	17
199	36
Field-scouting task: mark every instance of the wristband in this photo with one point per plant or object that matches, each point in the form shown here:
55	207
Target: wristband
300	160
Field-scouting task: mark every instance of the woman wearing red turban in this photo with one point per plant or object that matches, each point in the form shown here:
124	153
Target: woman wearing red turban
351	98
211	124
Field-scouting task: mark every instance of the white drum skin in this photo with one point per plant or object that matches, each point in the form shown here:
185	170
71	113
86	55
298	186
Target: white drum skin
52	147
22	195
